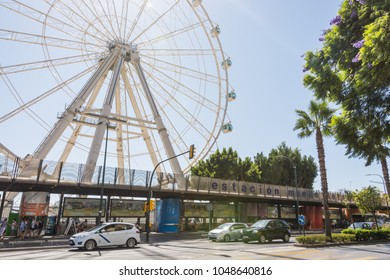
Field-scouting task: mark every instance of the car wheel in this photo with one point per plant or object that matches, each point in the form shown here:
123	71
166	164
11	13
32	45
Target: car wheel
286	237
262	238
131	242
226	238
90	245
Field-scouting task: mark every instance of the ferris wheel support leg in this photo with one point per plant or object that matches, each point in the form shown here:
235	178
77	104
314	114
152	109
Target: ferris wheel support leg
138	114
119	142
73	138
69	114
162	131
103	123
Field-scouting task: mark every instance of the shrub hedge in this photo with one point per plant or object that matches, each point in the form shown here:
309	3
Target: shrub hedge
346	236
369	234
322	239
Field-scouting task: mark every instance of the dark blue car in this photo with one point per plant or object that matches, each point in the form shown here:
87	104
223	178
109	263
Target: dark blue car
267	230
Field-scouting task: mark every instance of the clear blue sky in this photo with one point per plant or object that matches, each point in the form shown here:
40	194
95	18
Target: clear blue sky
265	40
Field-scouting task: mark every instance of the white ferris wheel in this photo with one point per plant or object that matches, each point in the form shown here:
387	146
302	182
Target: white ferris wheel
138	80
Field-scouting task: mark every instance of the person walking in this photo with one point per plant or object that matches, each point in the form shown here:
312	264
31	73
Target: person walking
22	229
34	228
14	228
3	227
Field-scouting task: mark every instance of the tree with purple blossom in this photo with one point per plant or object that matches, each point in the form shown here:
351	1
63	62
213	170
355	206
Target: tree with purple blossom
352	69
335	21
358	44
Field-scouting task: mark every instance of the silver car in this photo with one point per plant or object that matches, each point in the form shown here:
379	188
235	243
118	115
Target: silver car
227	232
107	234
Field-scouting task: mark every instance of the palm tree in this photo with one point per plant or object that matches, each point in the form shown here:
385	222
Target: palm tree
317	120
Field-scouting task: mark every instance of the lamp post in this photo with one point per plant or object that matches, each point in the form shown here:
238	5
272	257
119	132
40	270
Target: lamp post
296	187
384	188
147	220
104	173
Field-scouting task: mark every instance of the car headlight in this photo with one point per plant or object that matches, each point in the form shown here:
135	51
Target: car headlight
80	237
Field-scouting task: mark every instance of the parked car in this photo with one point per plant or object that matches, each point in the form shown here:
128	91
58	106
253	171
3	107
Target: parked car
362	225
227	232
267	230
107	234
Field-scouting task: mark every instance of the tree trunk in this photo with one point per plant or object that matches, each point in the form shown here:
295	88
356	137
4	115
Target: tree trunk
385	171
324	181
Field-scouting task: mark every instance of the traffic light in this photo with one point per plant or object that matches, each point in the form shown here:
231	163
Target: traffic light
152	205
192	151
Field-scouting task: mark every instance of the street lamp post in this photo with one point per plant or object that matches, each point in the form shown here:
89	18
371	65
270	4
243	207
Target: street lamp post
296	188
103	177
384	188
147	220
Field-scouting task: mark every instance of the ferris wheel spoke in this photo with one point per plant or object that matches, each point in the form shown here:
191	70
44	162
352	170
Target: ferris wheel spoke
156	21
179	52
95	13
124	15
135	22
117	19
43	64
44	19
188	71
179	108
191	119
45	95
170	35
30	38
191	94
108	17
20	101
68	12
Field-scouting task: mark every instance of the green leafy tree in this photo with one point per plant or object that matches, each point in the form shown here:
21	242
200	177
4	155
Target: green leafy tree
317	121
352	69
368	200
227	165
278	168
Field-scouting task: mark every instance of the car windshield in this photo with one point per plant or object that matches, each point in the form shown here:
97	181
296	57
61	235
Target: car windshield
224	226
261	223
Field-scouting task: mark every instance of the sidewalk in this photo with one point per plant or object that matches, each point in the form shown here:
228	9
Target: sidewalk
50	242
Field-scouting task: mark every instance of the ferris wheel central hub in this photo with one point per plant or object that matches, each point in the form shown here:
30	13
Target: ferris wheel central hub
128	51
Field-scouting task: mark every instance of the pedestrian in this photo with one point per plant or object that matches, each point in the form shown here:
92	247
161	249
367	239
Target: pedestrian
34	228
22	229
14	228
27	223
40	227
84	225
3	227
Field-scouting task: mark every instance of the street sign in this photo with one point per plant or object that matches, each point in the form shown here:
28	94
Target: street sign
301	220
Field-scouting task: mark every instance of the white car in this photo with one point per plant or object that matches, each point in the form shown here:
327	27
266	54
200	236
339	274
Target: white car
227	232
107	234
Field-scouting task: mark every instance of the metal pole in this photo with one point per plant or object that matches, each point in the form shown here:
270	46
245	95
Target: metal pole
296	195
104	172
147	227
296	188
384	188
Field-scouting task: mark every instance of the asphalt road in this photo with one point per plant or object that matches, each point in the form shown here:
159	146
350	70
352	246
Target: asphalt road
203	249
